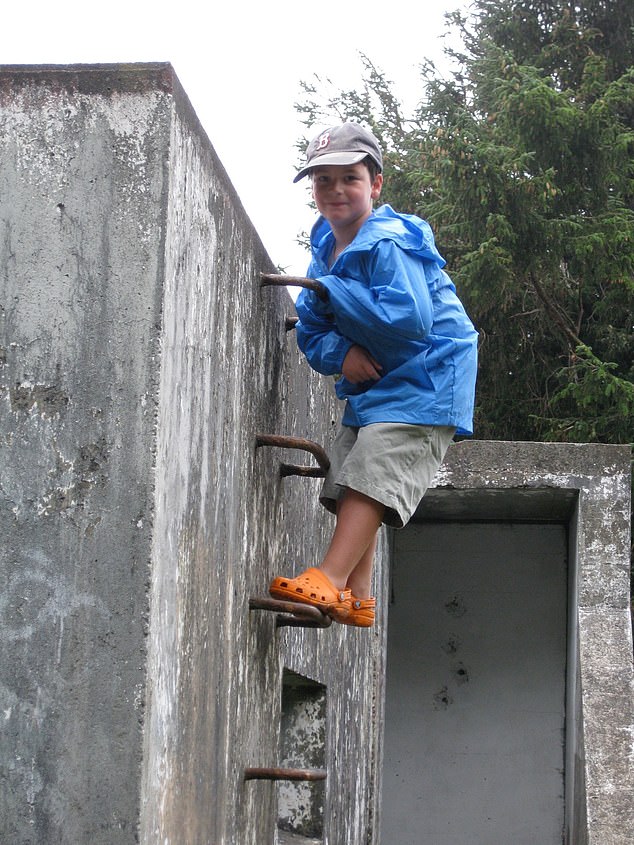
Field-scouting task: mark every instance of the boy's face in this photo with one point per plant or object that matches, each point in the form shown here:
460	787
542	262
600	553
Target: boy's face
344	194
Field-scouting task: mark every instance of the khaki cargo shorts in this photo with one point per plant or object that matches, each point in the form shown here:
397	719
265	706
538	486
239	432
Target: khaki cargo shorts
393	463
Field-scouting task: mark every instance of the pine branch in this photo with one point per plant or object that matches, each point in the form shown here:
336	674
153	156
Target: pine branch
573	339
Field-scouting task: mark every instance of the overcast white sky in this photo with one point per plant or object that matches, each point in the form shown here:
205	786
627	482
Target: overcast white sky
241	62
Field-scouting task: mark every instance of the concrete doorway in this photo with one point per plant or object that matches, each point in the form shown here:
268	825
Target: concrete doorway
474	743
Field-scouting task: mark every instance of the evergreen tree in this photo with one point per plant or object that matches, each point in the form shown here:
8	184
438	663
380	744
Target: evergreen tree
523	163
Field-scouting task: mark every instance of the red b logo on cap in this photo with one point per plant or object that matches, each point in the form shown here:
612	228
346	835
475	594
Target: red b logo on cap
324	140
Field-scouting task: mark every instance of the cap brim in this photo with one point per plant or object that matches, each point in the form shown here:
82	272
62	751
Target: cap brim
330	158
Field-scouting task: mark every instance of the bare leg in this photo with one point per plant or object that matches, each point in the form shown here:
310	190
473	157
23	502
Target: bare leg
350	556
360	579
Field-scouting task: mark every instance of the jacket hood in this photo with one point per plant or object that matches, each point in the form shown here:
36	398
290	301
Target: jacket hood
409	232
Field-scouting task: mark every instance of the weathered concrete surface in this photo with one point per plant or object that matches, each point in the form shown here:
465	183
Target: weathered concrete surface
82	218
474	742
587	488
139	359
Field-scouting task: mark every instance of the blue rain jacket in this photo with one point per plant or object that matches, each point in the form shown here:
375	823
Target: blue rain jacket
388	293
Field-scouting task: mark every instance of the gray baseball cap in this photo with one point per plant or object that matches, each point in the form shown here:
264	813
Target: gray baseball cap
348	143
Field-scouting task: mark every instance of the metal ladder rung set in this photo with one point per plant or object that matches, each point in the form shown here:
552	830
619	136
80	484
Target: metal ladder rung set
290	613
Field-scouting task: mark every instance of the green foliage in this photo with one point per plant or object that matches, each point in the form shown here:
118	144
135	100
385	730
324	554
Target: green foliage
523	161
605	400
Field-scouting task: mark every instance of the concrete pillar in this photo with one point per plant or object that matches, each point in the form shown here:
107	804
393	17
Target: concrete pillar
82	217
138	360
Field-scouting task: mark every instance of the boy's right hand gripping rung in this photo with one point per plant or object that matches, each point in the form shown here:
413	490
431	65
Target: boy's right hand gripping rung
272	279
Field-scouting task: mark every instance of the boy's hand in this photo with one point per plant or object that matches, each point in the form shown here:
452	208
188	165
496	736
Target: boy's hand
359	365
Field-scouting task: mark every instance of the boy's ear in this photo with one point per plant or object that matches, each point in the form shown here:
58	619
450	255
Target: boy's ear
376	186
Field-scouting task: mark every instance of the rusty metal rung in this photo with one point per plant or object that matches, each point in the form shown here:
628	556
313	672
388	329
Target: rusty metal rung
275	773
279	280
291	613
286	442
304	472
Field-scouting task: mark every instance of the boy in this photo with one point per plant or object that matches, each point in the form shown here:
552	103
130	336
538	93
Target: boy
397	333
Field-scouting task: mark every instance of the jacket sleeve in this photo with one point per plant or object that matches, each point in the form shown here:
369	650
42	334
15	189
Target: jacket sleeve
317	334
394	300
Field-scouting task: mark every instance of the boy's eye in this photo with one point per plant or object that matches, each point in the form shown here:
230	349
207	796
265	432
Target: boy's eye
324	179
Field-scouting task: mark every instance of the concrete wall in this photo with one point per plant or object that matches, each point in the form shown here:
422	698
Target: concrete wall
139	358
474	742
585	488
82	220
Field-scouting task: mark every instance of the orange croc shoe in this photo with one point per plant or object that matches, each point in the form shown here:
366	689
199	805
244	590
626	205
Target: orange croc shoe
314	588
360	613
